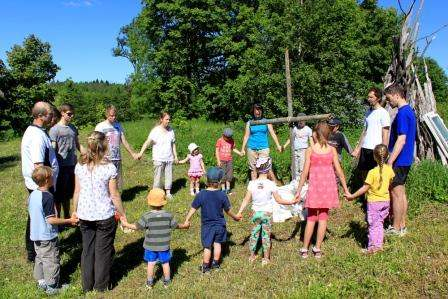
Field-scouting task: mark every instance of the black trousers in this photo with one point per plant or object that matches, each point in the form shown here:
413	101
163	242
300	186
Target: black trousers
97	253
29	245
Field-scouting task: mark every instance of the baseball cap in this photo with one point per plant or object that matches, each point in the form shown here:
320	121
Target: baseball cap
214	174
228	132
156	197
334	122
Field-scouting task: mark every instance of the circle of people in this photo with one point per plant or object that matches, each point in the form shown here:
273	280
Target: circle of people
53	175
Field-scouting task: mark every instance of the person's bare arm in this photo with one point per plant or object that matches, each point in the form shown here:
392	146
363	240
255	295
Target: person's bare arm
173	146
282	201
128	147
244	203
245	138
274	137
183	161
75	198
398	147
218	161
287	143
126	224
189	215
385	135
53	220
359	192
311	141
237	152
305	172
234	217
203	166
116	198
145	145
356	151
339	171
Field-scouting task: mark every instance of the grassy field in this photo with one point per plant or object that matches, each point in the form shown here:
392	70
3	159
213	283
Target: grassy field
413	266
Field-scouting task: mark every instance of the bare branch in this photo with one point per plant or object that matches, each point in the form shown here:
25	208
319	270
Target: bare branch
433	33
410	9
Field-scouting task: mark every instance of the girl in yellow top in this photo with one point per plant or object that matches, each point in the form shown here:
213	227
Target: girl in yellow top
376	186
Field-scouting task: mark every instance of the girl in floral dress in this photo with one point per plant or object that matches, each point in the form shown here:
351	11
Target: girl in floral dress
321	163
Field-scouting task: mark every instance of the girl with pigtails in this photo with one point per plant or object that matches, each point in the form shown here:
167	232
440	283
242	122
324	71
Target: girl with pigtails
376	186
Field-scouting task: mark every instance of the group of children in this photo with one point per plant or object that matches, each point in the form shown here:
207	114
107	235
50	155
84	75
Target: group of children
321	165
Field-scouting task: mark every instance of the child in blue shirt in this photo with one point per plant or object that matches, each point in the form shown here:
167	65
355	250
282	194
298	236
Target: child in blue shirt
44	231
212	202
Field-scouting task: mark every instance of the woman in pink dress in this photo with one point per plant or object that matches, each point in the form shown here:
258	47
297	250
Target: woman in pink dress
321	163
197	167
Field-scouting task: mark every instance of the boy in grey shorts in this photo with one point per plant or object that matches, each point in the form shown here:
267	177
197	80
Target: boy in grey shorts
43	231
224	148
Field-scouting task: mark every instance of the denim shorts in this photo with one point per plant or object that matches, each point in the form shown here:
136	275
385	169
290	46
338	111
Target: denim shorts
157	256
213	234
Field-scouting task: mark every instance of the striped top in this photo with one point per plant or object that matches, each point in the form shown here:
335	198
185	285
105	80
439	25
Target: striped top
158	225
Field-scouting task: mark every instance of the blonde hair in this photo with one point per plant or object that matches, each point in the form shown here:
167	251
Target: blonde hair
97	147
322	131
380	154
42	175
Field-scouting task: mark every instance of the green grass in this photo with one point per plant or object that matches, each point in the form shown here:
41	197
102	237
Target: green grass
413	266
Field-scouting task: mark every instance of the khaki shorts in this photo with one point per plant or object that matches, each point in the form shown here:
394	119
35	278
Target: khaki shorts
253	155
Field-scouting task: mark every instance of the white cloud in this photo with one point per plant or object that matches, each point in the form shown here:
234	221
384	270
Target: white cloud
80	3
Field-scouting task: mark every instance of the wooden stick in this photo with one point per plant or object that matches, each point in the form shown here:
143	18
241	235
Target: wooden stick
282	120
289	99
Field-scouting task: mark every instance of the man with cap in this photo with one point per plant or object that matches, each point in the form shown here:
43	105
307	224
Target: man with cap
225	145
337	139
212	203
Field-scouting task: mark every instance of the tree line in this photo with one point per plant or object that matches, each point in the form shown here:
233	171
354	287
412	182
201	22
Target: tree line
213	59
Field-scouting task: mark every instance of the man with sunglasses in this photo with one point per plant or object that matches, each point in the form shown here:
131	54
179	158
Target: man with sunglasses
64	139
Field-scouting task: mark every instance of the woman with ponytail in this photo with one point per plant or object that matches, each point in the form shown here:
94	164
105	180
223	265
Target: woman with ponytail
321	163
376	186
95	201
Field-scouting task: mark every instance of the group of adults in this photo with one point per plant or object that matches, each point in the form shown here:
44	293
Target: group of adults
58	150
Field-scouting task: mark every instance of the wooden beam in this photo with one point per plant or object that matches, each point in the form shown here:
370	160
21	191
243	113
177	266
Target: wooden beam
282	120
290	112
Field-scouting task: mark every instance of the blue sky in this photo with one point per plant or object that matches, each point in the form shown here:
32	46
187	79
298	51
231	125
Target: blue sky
83	32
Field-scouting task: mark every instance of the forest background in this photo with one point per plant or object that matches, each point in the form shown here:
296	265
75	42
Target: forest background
212	59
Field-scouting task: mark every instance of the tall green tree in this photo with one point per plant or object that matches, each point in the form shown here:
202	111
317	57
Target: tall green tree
438	78
30	69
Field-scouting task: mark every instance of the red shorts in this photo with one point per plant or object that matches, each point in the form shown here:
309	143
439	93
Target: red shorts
317	214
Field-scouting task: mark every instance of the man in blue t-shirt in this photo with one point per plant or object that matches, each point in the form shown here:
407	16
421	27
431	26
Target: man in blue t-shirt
212	202
401	148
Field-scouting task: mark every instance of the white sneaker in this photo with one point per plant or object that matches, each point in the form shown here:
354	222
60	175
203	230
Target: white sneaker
169	196
403	231
391	231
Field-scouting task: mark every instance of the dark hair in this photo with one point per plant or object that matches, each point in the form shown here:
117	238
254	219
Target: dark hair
163	114
258	107
66	107
395	89
377	92
213	184
380	154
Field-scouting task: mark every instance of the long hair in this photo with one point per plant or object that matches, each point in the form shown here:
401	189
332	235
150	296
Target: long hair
322	131
380	154
97	148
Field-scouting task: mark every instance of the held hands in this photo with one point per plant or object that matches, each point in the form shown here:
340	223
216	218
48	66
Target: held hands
187	224
238	217
279	148
355	152
74	220
243	152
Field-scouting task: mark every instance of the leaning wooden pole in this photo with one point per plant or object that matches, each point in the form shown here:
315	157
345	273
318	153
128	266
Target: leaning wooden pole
282	120
290	112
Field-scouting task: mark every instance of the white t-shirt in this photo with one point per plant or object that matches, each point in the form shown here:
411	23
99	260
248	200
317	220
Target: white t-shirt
162	150
301	137
113	133
261	191
95	202
36	148
375	121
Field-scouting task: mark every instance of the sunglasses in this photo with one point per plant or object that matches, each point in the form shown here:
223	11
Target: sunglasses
69	113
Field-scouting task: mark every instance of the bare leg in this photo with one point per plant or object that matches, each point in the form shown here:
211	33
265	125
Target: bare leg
399	205
150	270
309	229
321	229
196	185
227	185
207	256
217	251
166	271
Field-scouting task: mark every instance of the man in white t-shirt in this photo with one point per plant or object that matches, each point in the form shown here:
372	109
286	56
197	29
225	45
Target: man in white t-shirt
115	135
303	138
36	151
376	131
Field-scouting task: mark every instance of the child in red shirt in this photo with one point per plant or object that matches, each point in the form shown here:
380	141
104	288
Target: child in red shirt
224	148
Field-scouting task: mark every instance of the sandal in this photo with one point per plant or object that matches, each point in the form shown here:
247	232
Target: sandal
317	253
303	253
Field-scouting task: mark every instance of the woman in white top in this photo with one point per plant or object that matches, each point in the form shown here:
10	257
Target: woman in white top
376	131
95	200
164	152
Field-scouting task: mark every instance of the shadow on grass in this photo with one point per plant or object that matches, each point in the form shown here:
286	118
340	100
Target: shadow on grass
179	256
130	193
9	161
178	184
130	257
358	231
72	246
299	228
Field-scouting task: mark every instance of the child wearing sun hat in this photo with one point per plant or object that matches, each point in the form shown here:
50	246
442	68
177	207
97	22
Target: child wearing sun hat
197	167
158	225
